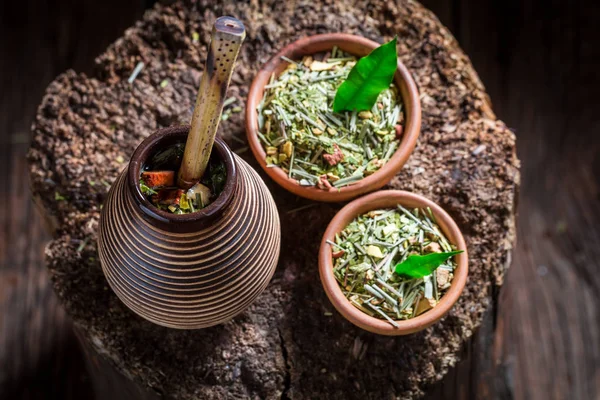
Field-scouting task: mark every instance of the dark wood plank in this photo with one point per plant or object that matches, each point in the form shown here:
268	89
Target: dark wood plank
472	378
536	59
39	356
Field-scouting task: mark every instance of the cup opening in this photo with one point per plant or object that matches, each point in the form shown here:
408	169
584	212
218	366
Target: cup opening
179	222
384	199
359	46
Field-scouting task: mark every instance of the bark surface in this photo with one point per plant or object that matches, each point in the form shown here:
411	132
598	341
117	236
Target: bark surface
290	343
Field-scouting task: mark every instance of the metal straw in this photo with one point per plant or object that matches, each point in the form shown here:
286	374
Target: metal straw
227	37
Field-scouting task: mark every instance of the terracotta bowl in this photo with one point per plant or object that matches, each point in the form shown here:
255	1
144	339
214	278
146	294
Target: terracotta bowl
194	270
358	46
386	199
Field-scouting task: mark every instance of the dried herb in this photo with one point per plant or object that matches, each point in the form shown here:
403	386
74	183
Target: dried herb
145	189
368	250
136	71
166	159
157	182
216	177
316	146
227	111
82	245
369	77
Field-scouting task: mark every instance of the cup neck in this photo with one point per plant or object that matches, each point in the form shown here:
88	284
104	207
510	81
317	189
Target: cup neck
184	222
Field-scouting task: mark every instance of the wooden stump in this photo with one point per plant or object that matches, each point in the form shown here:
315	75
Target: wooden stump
290	343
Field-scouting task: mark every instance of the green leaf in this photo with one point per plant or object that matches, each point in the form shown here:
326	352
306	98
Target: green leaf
420	266
369	77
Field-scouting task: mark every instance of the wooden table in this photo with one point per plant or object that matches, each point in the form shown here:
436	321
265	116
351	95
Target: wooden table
517	344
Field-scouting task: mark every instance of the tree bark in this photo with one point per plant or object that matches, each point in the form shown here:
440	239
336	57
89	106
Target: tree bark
290	343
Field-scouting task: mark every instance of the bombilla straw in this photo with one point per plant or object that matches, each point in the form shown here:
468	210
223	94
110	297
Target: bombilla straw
227	36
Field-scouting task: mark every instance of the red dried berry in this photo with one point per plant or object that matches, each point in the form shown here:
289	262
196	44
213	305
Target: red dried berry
336	157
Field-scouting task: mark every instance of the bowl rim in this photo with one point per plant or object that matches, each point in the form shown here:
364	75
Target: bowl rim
412	109
182	222
386	198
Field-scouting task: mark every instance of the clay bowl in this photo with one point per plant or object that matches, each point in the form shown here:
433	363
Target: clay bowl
358	46
386	199
194	270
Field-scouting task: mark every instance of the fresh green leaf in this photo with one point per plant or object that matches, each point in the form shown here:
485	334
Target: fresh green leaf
419	266
369	77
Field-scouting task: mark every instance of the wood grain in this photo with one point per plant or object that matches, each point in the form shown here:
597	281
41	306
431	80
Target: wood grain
39	355
536	60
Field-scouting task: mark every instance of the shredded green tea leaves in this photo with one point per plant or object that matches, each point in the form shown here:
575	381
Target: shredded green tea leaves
367	252
157	183
315	146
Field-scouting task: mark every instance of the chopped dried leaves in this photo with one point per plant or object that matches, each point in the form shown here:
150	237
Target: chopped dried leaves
312	144
370	249
157	183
